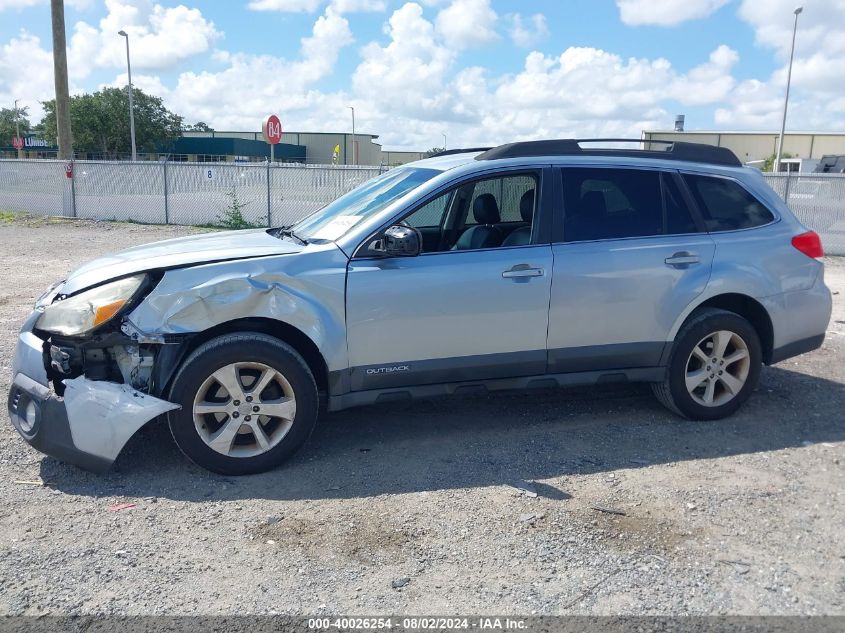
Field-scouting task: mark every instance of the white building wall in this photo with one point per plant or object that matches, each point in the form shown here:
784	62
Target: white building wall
757	146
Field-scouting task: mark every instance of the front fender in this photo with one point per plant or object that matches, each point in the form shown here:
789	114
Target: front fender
305	291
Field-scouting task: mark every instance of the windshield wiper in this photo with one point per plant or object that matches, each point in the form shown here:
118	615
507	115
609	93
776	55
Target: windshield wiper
285	231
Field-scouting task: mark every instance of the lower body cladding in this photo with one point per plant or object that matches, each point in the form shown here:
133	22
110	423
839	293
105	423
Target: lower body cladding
89	425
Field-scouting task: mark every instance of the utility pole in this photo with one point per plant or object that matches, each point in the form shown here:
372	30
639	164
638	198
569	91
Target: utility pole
57	12
354	142
18	127
776	167
131	105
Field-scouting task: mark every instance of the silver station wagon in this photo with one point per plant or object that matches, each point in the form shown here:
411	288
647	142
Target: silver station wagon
535	264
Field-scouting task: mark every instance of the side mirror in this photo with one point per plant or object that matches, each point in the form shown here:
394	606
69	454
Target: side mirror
401	241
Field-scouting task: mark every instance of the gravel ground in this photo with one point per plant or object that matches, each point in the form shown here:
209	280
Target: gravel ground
588	501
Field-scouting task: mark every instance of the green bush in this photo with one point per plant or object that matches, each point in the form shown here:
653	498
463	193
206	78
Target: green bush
233	217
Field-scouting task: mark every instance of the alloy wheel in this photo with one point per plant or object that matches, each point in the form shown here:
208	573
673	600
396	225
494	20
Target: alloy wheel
244	409
717	368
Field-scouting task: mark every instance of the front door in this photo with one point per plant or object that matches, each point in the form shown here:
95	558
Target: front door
472	306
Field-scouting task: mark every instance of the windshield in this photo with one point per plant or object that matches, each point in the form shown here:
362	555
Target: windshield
337	217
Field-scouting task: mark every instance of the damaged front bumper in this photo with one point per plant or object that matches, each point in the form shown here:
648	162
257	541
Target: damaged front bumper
89	425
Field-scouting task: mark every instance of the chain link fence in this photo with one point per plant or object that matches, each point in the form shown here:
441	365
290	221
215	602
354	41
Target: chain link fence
818	201
278	194
261	194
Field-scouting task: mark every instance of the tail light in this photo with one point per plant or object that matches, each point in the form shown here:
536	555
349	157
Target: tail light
809	243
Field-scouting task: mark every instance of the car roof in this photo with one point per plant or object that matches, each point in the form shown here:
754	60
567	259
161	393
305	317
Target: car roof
467	163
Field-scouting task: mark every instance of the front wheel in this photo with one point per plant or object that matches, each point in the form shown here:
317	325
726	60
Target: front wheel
714	367
249	401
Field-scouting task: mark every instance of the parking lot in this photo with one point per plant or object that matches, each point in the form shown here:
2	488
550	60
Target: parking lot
587	501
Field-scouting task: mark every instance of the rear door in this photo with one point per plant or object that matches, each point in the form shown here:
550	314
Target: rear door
629	257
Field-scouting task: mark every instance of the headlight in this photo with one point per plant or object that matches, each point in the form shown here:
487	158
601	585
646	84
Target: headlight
83	312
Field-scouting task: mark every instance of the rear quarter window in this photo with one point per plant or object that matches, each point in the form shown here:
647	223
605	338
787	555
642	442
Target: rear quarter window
726	205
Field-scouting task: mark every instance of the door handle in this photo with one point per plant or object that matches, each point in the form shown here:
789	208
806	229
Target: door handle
682	259
521	271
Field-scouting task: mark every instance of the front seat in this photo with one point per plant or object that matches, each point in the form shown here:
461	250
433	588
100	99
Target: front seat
522	235
485	209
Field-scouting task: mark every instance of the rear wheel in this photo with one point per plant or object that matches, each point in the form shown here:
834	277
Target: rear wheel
715	365
249	401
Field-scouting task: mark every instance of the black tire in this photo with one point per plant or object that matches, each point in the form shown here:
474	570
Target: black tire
672	392
245	347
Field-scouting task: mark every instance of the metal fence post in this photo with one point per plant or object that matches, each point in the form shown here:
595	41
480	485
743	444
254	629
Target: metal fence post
269	203
786	188
166	209
72	188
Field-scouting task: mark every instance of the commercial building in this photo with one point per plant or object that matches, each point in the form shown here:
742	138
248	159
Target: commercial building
801	150
33	147
301	147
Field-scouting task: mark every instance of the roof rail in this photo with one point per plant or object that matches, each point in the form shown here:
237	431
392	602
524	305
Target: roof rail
467	150
675	150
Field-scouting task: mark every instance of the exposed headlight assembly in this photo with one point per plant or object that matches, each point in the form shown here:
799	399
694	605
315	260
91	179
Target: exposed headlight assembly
82	313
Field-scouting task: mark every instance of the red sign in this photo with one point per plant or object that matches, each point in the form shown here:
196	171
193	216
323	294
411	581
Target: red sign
17	142
272	130
69	169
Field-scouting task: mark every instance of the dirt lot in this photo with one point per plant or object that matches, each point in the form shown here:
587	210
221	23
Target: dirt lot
471	504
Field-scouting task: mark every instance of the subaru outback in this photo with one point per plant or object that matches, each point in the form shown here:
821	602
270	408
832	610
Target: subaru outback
533	264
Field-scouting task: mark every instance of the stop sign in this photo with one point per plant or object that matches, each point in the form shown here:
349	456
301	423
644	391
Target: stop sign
272	130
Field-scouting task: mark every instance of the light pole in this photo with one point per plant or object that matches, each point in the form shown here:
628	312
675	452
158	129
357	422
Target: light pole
444	140
131	108
18	127
354	144
776	168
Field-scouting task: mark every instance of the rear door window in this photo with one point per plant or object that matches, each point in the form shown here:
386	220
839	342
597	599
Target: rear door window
614	203
726	205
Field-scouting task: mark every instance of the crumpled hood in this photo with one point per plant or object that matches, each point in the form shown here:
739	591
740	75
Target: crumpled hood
181	251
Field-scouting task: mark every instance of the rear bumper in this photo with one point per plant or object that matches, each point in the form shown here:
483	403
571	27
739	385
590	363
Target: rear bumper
799	320
796	348
90	425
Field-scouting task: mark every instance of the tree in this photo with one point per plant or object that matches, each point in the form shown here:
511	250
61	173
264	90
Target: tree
199	126
100	122
769	163
7	124
433	151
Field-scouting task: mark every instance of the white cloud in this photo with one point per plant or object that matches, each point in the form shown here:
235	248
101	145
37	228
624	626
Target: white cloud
289	6
79	5
252	86
6	5
709	82
406	75
359	6
159	37
310	6
26	73
467	23
821	26
816	98
526	32
150	84
669	12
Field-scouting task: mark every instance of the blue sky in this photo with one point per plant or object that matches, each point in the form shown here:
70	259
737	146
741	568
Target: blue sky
480	70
